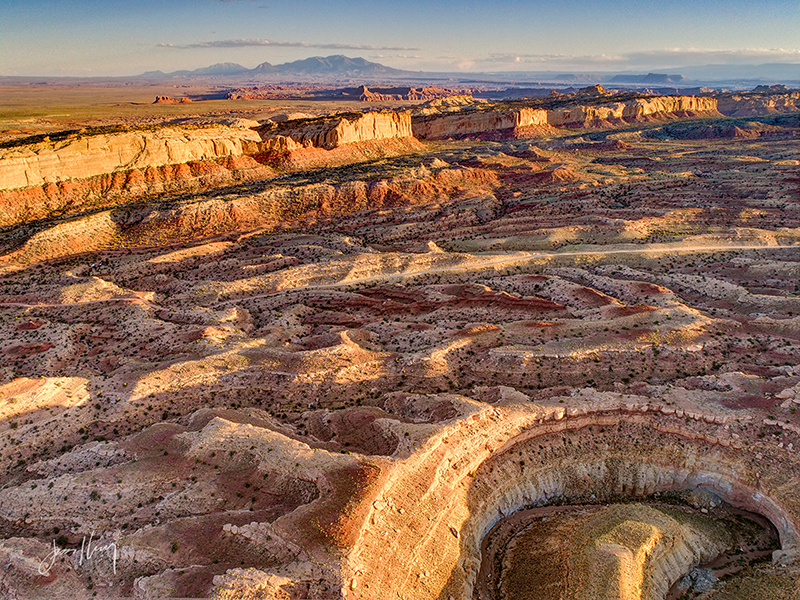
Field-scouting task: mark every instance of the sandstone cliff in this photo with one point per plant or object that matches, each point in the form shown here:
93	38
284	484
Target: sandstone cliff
429	124
83	156
459	124
338	130
402	93
747	105
37	202
80	171
273	208
631	111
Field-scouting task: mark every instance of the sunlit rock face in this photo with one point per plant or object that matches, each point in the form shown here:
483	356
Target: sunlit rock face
352	373
500	461
94	169
332	132
85	156
620	551
448	125
746	105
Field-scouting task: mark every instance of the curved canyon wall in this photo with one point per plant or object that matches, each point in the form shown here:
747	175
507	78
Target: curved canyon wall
422	538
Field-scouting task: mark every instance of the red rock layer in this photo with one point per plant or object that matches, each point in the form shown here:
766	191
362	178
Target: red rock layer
275	208
312	157
38	202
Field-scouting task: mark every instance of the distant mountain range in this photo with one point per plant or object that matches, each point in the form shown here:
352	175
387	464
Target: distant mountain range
338	65
343	67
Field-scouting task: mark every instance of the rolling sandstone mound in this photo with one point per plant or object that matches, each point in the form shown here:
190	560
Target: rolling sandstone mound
338	384
293	424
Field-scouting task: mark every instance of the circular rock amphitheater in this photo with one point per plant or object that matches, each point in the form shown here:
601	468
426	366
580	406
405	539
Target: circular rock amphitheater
432	521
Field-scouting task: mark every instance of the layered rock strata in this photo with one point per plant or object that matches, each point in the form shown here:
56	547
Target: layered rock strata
495	461
338	130
273	208
623	551
84	156
46	178
401	93
748	105
427	125
632	111
461	124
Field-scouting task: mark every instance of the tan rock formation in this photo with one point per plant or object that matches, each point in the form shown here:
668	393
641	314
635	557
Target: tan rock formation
403	93
498	460
639	109
338	130
269	209
442	125
36	202
746	105
168	100
84	156
286	154
476	122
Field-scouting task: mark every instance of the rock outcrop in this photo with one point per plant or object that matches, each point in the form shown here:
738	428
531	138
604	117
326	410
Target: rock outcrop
472	122
402	93
169	100
81	171
632	111
335	131
754	104
443	124
81	156
273	208
490	464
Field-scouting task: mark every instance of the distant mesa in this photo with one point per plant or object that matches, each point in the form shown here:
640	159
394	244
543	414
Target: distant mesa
399	93
770	89
594	91
168	100
295	116
361	93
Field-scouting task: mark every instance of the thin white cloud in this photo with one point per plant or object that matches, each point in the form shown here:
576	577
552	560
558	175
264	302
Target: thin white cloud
666	58
250	43
403	56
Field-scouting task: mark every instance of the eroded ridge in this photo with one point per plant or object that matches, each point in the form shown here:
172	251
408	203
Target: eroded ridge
437	508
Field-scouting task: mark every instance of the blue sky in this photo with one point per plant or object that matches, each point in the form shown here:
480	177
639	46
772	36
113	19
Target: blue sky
127	37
